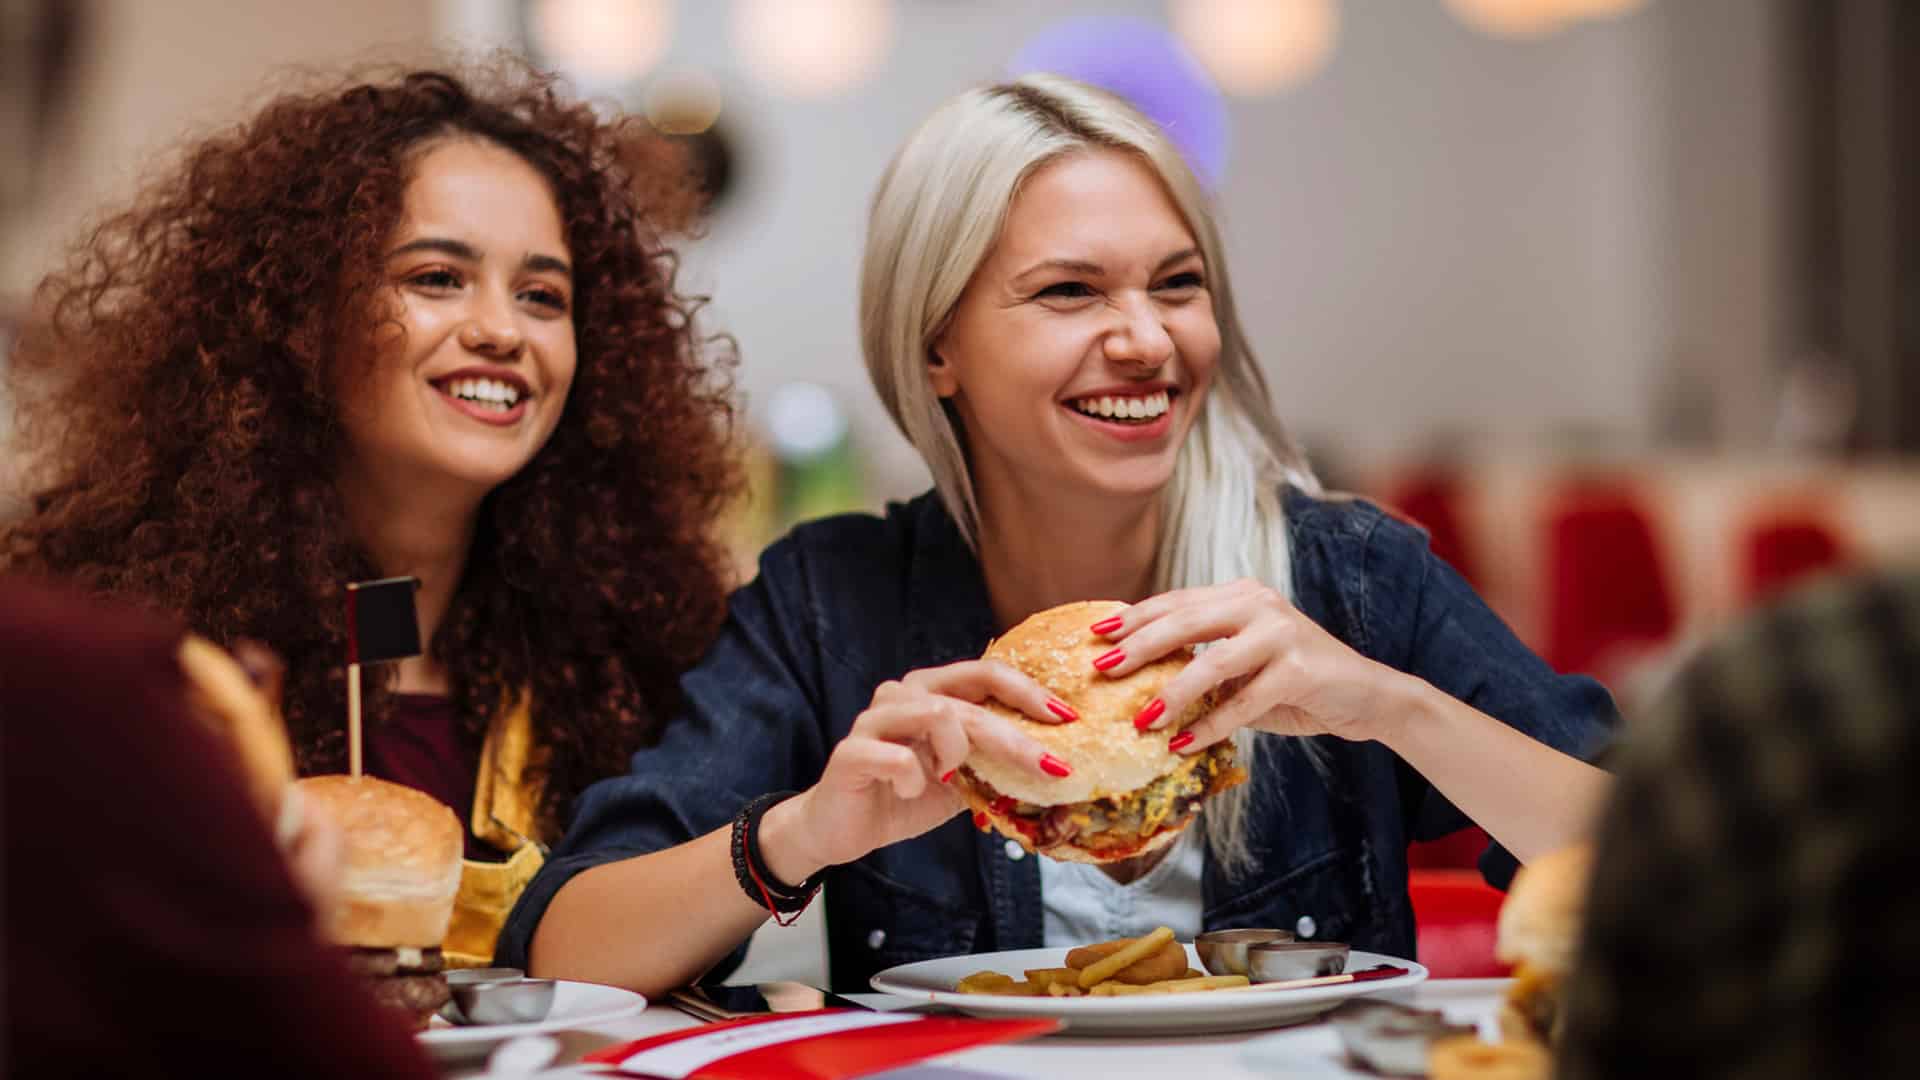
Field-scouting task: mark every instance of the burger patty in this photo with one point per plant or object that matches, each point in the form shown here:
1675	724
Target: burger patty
411	993
1119	824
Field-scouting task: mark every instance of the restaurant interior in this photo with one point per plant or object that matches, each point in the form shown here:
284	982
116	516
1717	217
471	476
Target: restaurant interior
1619	300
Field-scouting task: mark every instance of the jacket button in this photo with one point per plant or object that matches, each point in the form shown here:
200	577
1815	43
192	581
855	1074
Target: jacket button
876	939
1306	926
1015	851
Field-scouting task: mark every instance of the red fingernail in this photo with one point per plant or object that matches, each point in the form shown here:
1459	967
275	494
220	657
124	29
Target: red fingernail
1062	710
1053	766
1107	626
948	779
1149	714
1180	742
1110	659
980	820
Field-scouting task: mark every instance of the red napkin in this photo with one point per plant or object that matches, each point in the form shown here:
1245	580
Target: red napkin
827	1044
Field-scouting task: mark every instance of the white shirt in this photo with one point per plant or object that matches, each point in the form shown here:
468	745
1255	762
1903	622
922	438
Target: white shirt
1084	905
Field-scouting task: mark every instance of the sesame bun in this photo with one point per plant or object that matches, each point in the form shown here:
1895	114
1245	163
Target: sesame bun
1109	756
1541	916
400	867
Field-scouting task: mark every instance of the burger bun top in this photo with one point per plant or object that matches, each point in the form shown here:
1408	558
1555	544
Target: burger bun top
1541	917
1056	648
400	860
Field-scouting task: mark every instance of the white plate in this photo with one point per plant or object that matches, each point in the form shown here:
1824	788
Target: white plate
1159	1014
575	1004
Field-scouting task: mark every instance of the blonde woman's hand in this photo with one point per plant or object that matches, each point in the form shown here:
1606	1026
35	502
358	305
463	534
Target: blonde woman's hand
886	780
1279	671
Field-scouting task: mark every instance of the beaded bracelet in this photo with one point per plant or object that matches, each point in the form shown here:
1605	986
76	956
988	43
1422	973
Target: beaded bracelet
750	866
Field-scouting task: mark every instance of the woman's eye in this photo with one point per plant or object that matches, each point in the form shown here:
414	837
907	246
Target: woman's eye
1066	290
436	279
551	299
1188	280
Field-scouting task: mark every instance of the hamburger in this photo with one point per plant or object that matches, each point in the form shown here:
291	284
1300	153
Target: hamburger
1128	794
400	869
1538	933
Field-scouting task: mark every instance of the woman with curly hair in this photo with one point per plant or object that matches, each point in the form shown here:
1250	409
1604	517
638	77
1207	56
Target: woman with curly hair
417	325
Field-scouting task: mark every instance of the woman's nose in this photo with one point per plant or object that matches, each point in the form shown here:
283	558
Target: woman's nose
492	331
1141	339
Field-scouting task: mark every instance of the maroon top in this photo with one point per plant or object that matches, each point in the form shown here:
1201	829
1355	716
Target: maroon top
422	746
151	925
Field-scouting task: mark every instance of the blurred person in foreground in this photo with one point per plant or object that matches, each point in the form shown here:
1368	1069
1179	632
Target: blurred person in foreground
1751	913
419	323
152	924
1046	311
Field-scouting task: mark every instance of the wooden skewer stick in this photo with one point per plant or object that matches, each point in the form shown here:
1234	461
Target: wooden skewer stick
353	719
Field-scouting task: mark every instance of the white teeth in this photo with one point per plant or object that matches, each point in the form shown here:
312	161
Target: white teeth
494	393
1126	408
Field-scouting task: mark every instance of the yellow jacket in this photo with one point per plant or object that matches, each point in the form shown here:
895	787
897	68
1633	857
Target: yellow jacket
506	815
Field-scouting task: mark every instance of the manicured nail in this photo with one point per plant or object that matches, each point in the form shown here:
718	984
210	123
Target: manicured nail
948	779
1107	626
1053	766
1180	742
1149	714
1062	710
1110	660
980	820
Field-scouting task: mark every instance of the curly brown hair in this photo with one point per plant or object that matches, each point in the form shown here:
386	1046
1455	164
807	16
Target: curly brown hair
180	396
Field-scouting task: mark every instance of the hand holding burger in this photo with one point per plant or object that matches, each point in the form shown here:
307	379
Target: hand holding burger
1129	794
1275	669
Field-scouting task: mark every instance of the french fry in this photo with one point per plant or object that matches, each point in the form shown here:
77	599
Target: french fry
1194	973
1017	989
1049	976
1064	989
981	982
1105	968
1089	954
1203	982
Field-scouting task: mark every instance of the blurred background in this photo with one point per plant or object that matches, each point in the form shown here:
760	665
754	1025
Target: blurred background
1619	298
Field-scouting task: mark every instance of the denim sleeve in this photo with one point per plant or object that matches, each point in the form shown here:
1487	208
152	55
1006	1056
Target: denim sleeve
749	724
1454	641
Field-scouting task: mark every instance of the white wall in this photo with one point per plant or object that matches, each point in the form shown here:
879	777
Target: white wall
154	71
1442	232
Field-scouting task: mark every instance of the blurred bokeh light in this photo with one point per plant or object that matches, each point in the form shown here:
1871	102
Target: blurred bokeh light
1258	46
812	48
1145	63
601	41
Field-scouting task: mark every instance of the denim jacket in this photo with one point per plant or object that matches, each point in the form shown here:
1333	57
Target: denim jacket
846	603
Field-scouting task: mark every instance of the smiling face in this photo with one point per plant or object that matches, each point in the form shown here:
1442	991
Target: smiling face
472	367
1082	349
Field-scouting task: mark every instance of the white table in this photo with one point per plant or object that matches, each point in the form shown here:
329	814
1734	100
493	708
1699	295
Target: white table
1306	1050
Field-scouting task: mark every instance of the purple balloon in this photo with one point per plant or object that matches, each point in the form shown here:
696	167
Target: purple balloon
1145	63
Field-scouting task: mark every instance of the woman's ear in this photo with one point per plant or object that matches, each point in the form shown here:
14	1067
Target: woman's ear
941	373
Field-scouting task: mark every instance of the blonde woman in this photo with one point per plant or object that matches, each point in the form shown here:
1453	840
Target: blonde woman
1046	311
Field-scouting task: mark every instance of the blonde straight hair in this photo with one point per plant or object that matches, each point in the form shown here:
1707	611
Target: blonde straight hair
936	216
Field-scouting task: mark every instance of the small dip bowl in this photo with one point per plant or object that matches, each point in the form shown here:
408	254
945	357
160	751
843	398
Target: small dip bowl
466	976
1273	961
506	1001
1224	952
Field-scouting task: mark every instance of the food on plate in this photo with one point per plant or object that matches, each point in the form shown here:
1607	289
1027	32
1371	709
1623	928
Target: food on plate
237	696
400	869
1151	964
1466	1057
1128	794
1538	932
